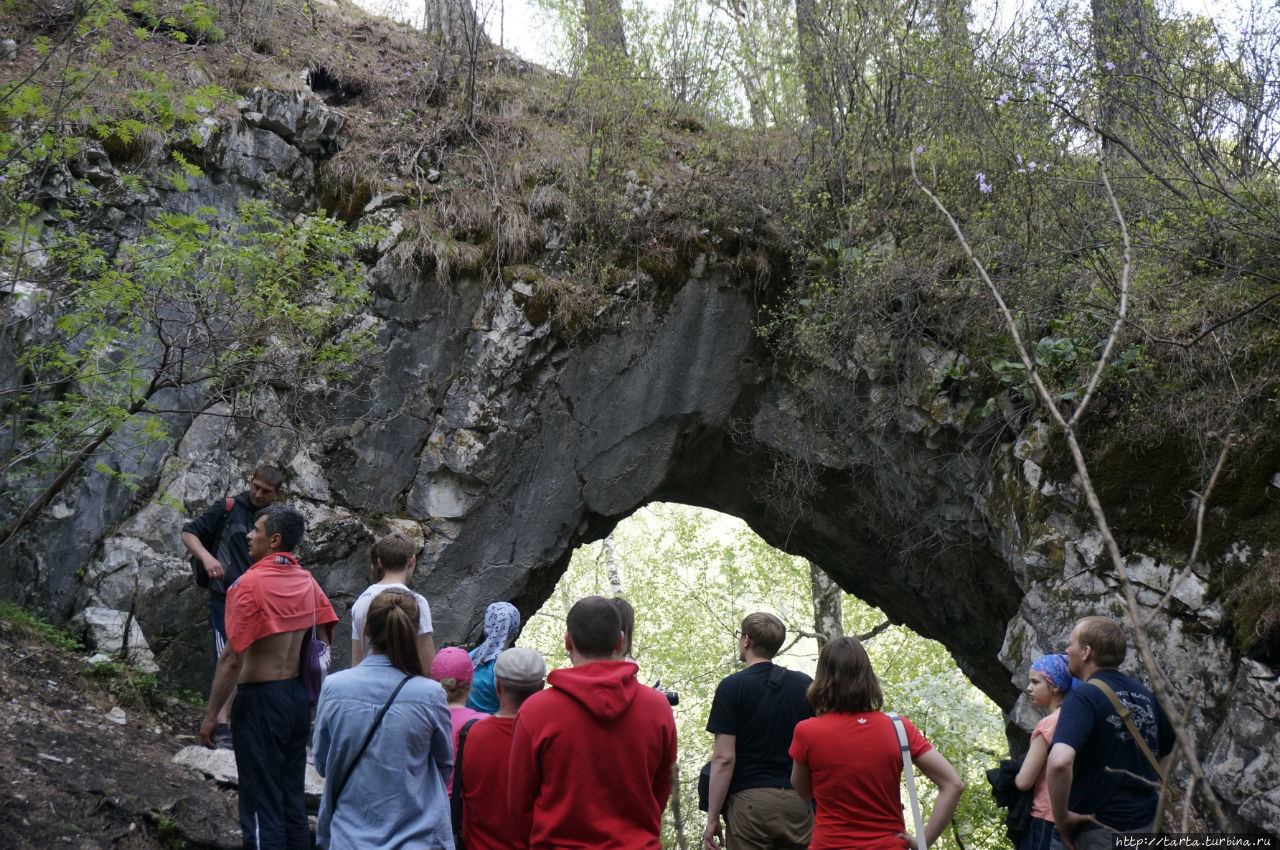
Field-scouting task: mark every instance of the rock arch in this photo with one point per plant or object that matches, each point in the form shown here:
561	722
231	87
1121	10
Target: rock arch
505	446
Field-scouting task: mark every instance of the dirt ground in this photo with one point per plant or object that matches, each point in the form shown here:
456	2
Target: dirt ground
77	778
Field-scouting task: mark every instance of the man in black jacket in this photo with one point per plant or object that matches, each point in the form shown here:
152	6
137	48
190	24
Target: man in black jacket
218	538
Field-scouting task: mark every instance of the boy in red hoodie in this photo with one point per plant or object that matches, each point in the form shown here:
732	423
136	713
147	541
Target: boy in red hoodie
591	755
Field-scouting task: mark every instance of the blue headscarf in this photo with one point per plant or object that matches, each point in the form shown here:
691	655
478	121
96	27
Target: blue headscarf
501	621
1054	668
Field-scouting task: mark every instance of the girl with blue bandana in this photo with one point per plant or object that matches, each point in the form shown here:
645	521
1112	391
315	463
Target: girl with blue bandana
1048	683
501	623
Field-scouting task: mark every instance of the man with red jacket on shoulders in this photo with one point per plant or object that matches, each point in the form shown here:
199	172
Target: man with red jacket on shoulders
591	755
269	610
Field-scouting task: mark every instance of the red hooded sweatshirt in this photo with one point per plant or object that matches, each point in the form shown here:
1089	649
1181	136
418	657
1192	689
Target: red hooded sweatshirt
591	761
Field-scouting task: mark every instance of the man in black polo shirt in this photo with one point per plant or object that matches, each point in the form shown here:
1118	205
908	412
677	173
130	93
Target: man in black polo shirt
753	716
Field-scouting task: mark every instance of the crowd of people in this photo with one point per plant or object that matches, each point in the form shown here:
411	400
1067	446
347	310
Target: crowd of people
427	748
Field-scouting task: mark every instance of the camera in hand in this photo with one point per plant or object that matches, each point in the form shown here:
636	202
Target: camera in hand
673	697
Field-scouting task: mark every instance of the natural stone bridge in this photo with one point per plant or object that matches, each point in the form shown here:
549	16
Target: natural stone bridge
477	428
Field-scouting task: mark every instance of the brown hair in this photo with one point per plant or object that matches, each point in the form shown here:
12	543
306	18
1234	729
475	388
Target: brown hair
627	612
1105	637
392	629
268	475
391	553
766	632
844	680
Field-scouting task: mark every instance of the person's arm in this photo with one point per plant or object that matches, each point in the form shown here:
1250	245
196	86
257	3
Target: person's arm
1060	769
724	756
224	682
1032	764
426	652
212	565
442	739
665	777
523	781
802	780
940	772
322	736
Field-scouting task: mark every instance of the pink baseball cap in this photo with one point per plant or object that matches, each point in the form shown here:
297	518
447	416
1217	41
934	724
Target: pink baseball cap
453	663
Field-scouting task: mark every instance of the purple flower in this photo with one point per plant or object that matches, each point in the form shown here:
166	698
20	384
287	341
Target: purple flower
1026	67
1144	55
1111	66
983	186
1018	158
1032	165
1004	98
919	149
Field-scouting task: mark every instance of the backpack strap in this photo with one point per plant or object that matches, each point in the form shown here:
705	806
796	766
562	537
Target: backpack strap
455	796
911	777
1123	711
227	507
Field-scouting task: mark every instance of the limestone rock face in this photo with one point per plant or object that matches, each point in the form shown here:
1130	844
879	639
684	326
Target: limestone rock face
476	429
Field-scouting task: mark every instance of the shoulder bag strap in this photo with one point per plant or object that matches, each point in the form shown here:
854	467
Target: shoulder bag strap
1123	711
911	778
456	795
377	721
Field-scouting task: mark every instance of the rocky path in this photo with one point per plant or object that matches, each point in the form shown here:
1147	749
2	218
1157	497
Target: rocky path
83	770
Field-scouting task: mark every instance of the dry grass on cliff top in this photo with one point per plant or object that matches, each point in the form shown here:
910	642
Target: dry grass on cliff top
490	162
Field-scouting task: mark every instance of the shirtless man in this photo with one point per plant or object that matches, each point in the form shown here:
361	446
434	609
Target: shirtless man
223	527
269	609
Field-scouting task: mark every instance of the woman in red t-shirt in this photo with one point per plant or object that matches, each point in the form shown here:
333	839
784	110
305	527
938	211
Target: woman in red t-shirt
848	759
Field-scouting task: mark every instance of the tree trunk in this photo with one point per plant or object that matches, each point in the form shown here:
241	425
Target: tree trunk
605	39
747	63
611	567
953	27
828	607
1121	29
453	23
809	50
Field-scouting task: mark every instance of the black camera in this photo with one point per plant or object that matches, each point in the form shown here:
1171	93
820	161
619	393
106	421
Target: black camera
673	697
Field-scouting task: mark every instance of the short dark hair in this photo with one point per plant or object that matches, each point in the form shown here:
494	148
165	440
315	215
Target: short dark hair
517	694
391	553
286	522
766	632
1105	637
594	626
268	475
844	680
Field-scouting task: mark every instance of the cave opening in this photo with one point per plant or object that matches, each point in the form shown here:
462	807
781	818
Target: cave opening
693	573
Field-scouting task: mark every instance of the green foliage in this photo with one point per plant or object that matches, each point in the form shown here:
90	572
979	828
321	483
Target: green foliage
193	22
24	621
692	575
196	300
128	686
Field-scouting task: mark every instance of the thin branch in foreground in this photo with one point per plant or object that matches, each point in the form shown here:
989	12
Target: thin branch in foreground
1159	679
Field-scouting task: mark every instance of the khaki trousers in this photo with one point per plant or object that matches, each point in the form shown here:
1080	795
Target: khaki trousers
767	819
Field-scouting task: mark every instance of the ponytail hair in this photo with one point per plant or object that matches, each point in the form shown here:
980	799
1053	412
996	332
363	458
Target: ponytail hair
392	629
